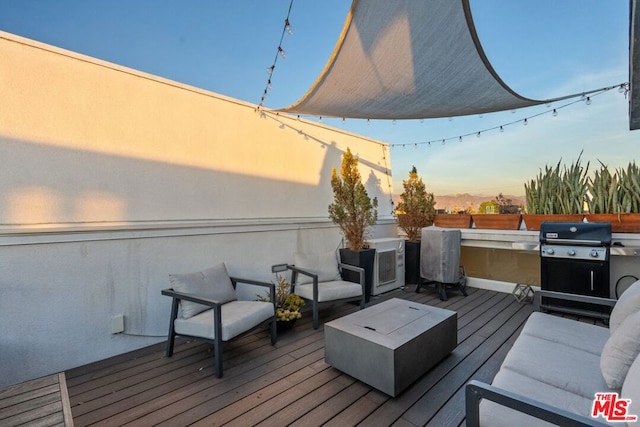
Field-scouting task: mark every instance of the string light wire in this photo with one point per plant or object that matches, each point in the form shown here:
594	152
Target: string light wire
280	53
622	88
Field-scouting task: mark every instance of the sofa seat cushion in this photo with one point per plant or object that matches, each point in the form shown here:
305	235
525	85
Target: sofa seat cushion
329	291
237	317
495	415
557	365
582	336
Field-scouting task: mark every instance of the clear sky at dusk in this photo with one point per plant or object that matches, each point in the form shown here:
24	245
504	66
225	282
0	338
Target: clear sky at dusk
541	49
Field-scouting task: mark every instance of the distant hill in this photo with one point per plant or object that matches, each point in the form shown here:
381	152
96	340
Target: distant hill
464	200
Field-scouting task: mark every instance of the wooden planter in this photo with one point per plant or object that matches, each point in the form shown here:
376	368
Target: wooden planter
620	223
453	220
498	221
533	221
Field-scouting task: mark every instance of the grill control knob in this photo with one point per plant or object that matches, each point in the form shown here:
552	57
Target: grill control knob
594	254
571	252
549	251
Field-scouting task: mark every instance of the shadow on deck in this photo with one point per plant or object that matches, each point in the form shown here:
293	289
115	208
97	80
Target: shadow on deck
291	383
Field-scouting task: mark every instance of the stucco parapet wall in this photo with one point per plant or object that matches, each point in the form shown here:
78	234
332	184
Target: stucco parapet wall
65	233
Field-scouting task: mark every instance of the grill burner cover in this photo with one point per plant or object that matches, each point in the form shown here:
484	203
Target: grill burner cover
576	233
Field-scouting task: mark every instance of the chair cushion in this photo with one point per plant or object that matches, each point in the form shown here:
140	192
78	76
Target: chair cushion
621	349
213	283
237	317
325	265
330	291
628	303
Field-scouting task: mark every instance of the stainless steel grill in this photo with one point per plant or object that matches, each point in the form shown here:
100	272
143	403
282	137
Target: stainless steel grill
574	258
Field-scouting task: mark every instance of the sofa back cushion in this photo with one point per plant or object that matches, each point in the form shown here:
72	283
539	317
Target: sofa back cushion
631	388
620	350
212	283
628	303
325	265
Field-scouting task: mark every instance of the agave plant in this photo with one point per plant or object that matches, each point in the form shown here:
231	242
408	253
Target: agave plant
629	188
558	190
604	191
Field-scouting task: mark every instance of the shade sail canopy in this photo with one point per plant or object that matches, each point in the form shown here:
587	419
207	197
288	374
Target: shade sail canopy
408	59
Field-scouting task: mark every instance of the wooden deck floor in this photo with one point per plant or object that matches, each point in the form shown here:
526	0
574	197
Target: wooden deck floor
290	384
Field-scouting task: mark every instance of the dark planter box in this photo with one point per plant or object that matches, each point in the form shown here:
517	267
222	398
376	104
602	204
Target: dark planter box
364	258
411	262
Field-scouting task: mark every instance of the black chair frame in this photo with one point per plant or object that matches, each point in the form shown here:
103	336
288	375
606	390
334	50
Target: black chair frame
315	304
217	319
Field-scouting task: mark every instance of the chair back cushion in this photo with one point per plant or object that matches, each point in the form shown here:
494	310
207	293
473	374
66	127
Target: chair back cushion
620	350
212	283
325	265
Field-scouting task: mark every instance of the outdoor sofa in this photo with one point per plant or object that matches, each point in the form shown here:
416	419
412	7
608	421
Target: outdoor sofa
557	365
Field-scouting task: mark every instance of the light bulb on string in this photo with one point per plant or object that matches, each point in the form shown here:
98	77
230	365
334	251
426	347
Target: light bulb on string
270	69
555	113
501	129
320	119
460	139
588	101
393	122
478	135
269	84
525	122
368	122
282	53
287	27
344	120
621	89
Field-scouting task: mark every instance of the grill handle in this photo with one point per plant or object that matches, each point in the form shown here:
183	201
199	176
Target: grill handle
591	280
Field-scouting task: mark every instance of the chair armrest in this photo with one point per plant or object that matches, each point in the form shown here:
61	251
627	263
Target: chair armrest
476	390
303	272
190	297
537	298
271	286
354	268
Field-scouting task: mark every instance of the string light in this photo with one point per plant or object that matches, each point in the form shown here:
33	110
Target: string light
622	88
280	53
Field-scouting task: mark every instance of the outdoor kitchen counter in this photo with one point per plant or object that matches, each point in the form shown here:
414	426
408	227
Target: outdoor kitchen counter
528	241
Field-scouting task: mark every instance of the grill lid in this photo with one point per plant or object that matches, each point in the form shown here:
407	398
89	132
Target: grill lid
577	233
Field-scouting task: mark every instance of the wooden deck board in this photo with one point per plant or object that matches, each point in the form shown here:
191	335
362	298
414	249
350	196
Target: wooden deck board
290	383
39	402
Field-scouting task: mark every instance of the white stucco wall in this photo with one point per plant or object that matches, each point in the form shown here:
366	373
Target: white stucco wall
111	179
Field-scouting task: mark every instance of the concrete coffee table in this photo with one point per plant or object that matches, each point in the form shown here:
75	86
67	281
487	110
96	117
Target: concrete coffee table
391	344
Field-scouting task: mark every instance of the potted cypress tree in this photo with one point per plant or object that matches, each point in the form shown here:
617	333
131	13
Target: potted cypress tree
415	211
354	212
